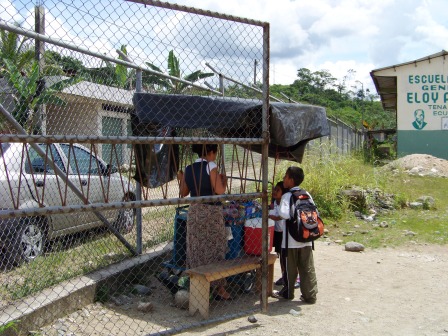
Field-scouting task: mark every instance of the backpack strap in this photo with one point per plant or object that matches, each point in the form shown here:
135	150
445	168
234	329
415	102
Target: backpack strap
287	224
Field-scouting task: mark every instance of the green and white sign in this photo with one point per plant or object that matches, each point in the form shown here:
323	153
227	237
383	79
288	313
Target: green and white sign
423	96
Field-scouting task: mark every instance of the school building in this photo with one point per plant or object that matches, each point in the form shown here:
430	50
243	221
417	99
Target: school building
418	92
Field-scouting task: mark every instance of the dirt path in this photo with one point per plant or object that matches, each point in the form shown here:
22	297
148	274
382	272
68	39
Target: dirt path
377	292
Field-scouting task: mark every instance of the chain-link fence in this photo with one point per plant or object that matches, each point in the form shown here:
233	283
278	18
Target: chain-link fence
342	138
100	105
111	115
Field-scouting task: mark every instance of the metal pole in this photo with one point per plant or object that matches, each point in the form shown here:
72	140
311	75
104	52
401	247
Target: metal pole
265	178
289	99
255	72
242	84
31	34
39	26
221	84
138	187
15	213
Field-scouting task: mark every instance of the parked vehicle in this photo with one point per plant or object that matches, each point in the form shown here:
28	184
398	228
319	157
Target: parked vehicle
28	180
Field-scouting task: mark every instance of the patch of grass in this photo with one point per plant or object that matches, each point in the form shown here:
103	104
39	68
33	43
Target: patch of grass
10	325
65	264
81	254
327	174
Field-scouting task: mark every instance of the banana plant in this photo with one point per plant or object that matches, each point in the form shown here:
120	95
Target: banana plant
17	48
123	76
30	92
172	85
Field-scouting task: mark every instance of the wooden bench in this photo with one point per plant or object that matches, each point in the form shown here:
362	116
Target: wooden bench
200	278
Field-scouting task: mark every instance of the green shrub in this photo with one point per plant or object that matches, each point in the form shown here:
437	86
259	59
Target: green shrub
327	172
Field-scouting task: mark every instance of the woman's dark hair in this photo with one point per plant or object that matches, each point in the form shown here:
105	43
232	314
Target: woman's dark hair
203	149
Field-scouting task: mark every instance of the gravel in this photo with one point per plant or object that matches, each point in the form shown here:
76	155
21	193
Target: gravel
421	164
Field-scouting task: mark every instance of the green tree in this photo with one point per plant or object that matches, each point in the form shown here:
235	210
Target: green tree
30	92
321	88
171	85
55	64
112	74
103	75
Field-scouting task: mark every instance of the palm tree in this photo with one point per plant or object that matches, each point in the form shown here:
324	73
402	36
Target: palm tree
171	85
20	50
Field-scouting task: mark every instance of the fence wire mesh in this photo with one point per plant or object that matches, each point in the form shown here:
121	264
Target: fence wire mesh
92	154
105	109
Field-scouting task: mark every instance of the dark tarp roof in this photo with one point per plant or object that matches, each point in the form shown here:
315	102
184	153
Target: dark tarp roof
291	126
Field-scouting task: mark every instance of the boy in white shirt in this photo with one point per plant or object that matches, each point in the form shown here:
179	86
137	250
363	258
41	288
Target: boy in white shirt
279	228
299	256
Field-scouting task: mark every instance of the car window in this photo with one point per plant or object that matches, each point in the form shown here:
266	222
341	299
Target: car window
38	163
5	146
81	161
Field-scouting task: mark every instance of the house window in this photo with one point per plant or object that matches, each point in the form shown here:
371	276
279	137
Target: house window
129	132
112	127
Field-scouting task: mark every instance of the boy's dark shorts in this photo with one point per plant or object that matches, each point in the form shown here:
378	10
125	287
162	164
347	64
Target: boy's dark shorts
278	237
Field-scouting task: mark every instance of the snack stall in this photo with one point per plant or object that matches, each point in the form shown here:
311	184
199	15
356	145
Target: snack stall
291	127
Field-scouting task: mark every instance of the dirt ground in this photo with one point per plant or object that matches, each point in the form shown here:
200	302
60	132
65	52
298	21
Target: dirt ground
402	291
376	292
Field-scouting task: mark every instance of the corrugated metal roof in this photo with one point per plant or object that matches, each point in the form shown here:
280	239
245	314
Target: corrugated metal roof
100	92
386	86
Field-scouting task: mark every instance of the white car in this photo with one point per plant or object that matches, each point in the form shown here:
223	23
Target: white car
27	180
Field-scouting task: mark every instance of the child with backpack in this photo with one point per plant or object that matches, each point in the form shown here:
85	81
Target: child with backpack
299	255
279	228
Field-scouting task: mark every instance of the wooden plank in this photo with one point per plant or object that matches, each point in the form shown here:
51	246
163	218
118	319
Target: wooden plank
227	268
200	278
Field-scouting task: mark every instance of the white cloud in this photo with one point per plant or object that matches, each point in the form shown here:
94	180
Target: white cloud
335	35
341	34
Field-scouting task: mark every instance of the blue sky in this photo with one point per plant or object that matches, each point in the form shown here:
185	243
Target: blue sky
338	35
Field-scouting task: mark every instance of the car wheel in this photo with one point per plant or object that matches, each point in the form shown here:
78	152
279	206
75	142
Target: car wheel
125	221
28	240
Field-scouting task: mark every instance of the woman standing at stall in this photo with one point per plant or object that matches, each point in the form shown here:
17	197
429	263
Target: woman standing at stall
206	233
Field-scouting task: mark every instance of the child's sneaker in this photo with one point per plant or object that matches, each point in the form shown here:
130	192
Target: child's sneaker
282	294
279	282
297	284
